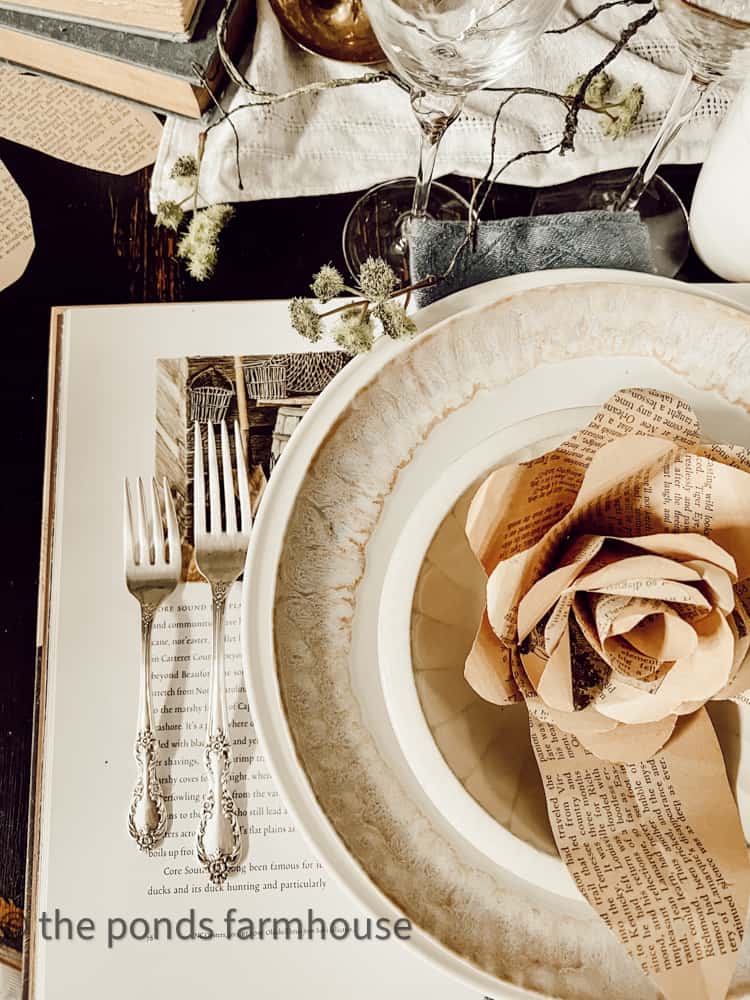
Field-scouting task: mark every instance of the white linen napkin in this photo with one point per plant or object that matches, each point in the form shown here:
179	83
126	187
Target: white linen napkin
354	137
351	138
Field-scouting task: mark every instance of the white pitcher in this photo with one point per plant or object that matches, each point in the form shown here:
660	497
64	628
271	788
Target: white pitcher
720	213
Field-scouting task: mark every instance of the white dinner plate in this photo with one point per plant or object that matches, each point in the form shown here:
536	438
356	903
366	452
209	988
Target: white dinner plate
382	434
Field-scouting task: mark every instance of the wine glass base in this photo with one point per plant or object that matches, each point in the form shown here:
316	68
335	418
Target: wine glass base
660	208
377	225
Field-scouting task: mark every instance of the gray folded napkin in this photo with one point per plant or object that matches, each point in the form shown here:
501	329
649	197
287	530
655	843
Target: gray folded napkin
534	243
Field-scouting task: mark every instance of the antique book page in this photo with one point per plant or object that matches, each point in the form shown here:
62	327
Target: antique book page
16	230
666	883
76	125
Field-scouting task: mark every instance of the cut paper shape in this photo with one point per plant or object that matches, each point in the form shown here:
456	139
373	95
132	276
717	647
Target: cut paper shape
611	567
77	125
658	851
16	230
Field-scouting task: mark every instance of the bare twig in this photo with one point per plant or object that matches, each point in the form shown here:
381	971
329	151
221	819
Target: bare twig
357	303
486	181
574	104
471	227
267	97
224	117
338	309
571	119
592	15
566	99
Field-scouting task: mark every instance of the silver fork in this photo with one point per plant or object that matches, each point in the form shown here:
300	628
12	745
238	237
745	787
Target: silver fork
220	557
152	571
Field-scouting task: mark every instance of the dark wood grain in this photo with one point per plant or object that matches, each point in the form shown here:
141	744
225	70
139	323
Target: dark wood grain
96	243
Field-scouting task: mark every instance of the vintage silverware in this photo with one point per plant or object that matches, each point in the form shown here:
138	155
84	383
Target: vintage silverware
220	552
152	570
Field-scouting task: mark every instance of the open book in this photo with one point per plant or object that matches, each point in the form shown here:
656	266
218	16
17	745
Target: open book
103	918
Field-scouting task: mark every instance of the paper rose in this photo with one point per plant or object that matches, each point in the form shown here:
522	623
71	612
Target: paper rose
617	577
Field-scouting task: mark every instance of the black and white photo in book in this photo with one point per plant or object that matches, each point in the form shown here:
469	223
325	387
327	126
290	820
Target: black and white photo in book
268	395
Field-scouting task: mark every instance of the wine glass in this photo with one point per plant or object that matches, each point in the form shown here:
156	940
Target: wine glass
442	50
714	38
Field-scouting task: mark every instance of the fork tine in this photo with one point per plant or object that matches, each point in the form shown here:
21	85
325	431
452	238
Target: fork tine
127	522
214	492
199	486
173	533
143	543
226	468
246	514
157	528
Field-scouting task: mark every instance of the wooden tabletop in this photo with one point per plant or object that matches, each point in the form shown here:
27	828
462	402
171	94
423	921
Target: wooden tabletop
96	243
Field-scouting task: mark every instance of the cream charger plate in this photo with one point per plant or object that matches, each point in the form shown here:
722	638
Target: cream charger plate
501	378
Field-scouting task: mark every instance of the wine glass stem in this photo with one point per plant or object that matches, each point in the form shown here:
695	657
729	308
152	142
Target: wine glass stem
435	113
689	95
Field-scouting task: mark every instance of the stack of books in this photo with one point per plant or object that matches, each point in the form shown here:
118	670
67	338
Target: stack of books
161	53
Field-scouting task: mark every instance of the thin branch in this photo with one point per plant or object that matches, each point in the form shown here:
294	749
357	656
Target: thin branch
471	227
571	119
265	99
486	181
426	282
484	187
224	117
566	99
594	14
347	305
523	156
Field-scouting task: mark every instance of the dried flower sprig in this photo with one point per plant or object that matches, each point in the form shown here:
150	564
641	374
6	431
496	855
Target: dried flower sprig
619	114
199	245
169	214
305	320
185	169
199	242
327	283
375	304
377	279
354	333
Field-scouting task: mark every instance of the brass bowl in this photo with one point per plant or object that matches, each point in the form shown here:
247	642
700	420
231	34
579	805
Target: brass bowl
336	29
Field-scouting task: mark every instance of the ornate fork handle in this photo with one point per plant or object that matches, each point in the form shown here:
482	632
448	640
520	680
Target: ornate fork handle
147	818
218	841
